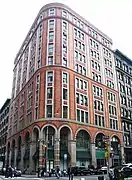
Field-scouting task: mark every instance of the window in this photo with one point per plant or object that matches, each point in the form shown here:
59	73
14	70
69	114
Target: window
78	115
50	60
77	98
65	112
51	12
64	14
99	120
64	61
51	24
51	35
77	83
96	77
94	54
64	78
95	65
50	77
81	99
94	44
50	48
111	97
64	94
98	105
49	93
97	91
64	25
112	110
110	84
49	111
113	124
82	116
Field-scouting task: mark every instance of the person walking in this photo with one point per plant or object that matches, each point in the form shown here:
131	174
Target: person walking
58	172
10	171
70	173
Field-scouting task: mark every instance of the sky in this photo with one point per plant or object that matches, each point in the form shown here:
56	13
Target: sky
113	17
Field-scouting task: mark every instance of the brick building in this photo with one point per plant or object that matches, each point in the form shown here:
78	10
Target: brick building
64	94
4	120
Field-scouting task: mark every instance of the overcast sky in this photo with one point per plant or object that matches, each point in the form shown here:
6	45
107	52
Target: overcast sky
113	17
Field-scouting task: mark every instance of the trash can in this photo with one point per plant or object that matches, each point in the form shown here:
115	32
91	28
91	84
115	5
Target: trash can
101	178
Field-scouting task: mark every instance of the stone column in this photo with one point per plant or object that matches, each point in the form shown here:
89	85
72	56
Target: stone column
72	144
122	155
32	152
15	163
21	163
41	160
10	157
57	152
93	153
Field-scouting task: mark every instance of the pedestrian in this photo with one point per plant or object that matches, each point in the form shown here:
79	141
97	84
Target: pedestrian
10	171
38	172
58	172
70	173
6	171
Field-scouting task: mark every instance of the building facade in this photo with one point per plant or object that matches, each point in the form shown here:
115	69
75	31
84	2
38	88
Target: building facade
4	120
64	95
124	76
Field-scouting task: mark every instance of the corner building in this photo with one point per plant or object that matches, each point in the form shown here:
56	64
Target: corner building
64	94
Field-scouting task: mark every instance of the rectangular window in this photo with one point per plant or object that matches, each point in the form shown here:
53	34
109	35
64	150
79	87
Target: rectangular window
65	112
50	77
36	113
51	12
51	24
51	35
64	25
81	99
77	98
64	61
50	60
65	94
82	116
50	47
78	115
77	83
49	111
86	117
64	14
64	78
49	93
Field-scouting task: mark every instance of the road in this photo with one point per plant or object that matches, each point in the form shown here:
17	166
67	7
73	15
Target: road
51	178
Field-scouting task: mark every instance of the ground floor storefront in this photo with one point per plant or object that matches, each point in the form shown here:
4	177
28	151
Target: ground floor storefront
48	145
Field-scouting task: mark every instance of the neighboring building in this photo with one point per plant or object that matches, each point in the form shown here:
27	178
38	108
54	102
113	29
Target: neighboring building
4	120
124	76
64	94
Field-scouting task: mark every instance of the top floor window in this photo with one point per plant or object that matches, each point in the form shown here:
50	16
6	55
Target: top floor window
64	14
51	12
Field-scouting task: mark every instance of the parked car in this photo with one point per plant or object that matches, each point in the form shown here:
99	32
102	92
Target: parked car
80	170
16	172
